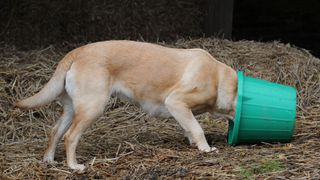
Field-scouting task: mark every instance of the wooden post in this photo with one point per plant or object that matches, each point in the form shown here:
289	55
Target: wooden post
219	19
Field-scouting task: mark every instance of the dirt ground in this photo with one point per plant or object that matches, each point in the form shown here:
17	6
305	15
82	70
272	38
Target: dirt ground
126	143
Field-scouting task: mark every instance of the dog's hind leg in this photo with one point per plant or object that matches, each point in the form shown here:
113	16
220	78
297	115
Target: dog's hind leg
60	127
90	92
86	112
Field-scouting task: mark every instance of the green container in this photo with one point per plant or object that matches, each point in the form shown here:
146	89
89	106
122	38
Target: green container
265	112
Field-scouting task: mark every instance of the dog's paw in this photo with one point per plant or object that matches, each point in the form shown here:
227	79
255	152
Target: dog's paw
77	167
214	149
207	149
48	160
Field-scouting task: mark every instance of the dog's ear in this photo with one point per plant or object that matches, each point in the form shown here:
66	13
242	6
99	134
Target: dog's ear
231	115
235	100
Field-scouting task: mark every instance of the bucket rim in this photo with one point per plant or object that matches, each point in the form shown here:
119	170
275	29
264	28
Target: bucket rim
234	125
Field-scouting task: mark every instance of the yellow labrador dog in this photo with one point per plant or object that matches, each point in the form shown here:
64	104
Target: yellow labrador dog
163	81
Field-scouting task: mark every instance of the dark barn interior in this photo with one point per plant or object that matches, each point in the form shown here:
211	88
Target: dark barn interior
33	23
295	22
275	40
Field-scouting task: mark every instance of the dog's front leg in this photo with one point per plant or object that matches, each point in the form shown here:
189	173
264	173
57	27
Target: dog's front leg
188	122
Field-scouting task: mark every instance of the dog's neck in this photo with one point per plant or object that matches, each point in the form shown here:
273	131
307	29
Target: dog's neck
226	94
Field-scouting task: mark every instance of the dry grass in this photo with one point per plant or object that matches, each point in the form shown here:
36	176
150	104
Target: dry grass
127	143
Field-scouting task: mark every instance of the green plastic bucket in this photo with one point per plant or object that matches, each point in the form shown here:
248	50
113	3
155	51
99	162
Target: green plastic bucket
265	112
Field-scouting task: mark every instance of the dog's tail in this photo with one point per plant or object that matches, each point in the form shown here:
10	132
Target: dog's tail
52	89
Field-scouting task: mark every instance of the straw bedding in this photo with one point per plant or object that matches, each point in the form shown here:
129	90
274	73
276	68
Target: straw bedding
127	143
